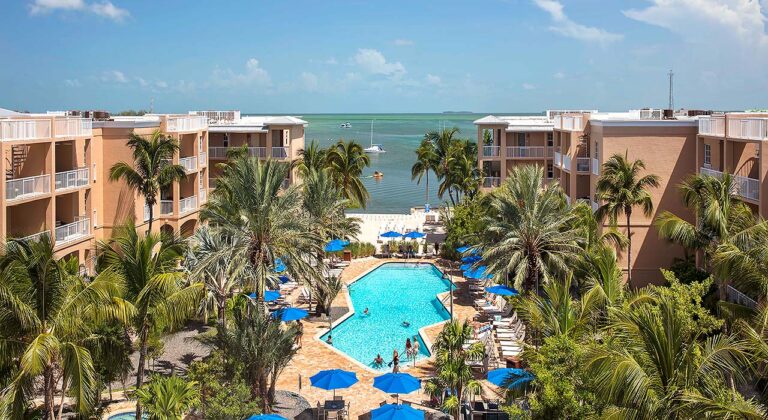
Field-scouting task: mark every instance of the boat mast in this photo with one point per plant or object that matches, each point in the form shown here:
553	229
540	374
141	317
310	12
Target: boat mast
371	133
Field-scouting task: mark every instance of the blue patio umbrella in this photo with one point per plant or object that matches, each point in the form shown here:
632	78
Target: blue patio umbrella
510	377
289	314
477	273
333	379
390	234
269	295
463	249
333	246
502	290
471	259
396	383
414	235
283	279
266	417
466	266
397	412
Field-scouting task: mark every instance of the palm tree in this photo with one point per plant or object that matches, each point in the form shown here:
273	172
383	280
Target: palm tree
155	285
557	313
312	159
326	207
426	160
620	188
529	233
168	398
47	315
269	223
655	368
152	169
452	364
346	161
463	177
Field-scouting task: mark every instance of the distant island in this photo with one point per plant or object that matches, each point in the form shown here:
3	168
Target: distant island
458	112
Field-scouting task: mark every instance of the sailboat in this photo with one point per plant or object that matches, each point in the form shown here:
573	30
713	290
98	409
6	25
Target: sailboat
374	148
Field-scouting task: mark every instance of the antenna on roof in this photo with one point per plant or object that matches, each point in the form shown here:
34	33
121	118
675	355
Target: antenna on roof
671	90
151	105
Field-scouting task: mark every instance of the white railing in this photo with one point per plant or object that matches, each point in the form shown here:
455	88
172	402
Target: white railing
187	123
146	212
189	163
558	160
595	167
712	126
748	128
491	151
568	122
745	187
74	127
166	206
491	181
526	151
35	236
25	129
203	194
22	187
219	152
72	179
279	152
736	296
73	231
651	114
188	204
567	162
582	164
203	159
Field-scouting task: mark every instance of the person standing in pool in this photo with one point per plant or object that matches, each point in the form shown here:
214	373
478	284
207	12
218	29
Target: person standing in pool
378	361
415	348
408	347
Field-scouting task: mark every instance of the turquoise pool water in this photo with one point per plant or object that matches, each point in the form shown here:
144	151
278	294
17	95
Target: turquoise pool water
393	293
128	415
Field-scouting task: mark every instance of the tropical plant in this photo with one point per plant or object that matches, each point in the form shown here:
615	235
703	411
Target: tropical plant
529	234
557	313
346	162
168	398
110	349
426	160
224	395
326	207
463	177
466	220
155	286
47	316
312	159
152	170
265	222
326	291
620	188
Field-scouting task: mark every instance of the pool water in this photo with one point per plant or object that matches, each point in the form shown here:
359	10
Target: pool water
393	293
129	415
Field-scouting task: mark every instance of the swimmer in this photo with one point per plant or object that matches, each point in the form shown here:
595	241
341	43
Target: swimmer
329	340
406	324
415	348
365	312
408	346
378	361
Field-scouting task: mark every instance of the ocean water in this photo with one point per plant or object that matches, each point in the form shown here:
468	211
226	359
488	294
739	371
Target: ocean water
393	293
400	135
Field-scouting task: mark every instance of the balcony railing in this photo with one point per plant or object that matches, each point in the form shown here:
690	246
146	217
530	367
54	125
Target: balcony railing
189	163
566	122
186	123
25	129
491	181
219	152
73	231
527	151
35	236
595	167
203	194
26	187
748	128
279	152
74	127
166	206
203	159
188	204
736	296
712	126
567	162
72	179
746	187
491	151
582	164
557	160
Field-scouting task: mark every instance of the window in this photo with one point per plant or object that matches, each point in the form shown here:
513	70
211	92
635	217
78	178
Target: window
550	171
521	139
707	155
550	140
226	139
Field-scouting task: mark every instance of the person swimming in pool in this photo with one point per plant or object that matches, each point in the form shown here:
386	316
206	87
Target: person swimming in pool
329	340
378	361
406	324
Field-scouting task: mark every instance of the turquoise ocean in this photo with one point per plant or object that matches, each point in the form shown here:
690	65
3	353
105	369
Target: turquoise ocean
400	135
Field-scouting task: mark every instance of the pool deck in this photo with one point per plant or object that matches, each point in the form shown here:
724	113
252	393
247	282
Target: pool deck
315	355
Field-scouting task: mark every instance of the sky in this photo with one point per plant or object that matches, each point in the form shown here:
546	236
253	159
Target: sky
311	56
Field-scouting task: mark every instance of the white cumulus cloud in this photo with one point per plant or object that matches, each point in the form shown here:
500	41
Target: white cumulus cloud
374	62
114	76
103	8
109	10
565	26
433	79
254	74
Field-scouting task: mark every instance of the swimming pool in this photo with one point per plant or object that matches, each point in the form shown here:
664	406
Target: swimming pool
128	415
393	293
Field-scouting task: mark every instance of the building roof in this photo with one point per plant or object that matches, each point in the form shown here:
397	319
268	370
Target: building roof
254	124
519	122
8	113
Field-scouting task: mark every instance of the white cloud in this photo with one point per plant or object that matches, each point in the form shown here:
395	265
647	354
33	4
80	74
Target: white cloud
309	81
563	25
72	82
114	76
403	42
559	75
373	61
142	82
104	8
254	75
528	86
161	84
433	80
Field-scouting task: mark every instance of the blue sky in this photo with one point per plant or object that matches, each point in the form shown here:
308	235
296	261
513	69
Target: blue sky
310	56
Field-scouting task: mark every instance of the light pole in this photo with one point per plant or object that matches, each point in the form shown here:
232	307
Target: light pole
450	291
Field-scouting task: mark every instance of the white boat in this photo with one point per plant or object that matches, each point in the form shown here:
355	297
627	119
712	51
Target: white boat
374	148
346	125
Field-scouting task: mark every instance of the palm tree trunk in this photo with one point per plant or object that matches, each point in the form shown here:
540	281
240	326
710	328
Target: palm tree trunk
629	250
142	361
151	216
61	400
222	314
426	192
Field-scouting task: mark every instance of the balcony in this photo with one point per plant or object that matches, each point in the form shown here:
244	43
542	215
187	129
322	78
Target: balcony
72	179
491	181
567	162
595	167
188	204
524	152
566	122
491	151
221	152
748	128
17	189
712	126
166	207
189	164
74	127
35	236
583	164
203	194
73	231
25	129
186	123
748	188
279	152
558	160
203	159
